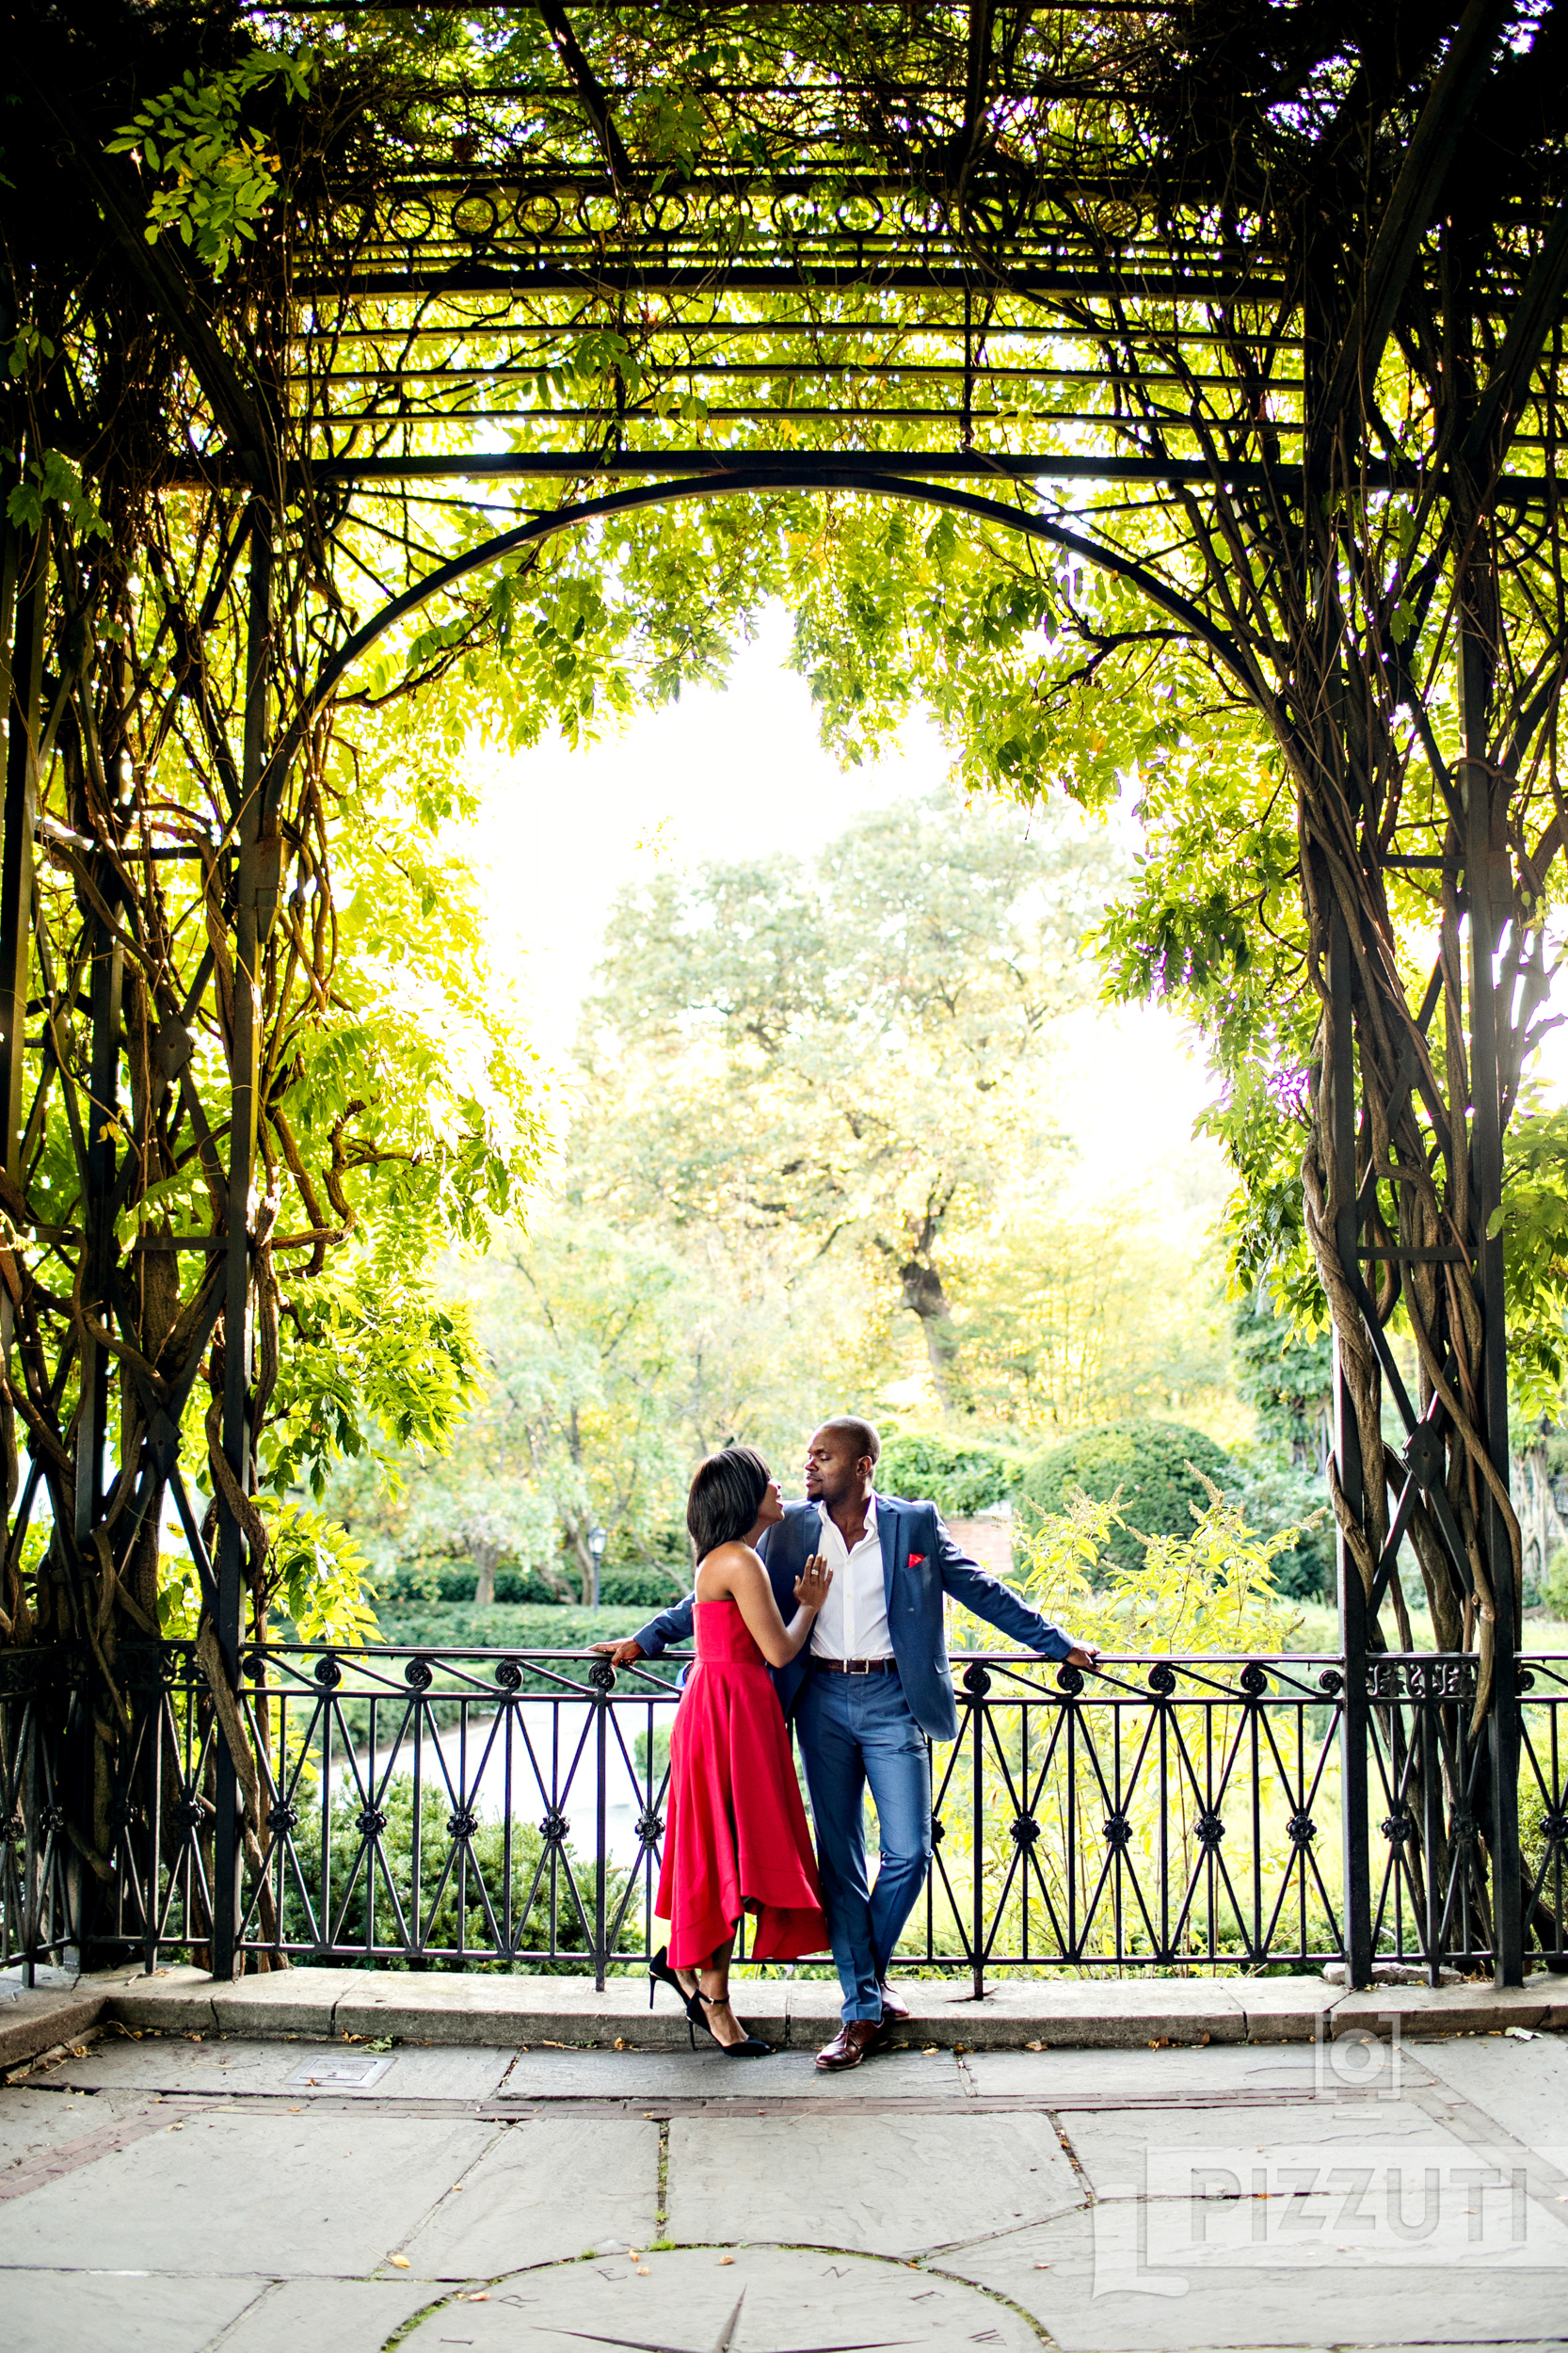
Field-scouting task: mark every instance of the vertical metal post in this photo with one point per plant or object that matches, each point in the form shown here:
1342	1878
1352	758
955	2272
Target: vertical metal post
1354	1718
228	1843
24	590
1487	1192
92	1419
977	1682
23	578
601	1758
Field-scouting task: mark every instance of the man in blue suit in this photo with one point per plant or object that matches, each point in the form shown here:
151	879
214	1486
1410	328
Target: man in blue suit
871	1688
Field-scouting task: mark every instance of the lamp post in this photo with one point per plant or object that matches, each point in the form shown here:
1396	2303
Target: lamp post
596	1546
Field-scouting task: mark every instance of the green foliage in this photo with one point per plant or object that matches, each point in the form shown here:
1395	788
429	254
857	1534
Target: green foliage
55	480
217	175
1554	1583
960	1476
445	1892
1279	1501
371	1354
437	1625
849	1056
1287	1379
1535	1257
1157	1469
648	1588
1210	1587
318	1578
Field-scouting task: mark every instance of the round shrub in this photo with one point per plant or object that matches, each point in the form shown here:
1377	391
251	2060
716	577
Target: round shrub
1148	1461
960	1476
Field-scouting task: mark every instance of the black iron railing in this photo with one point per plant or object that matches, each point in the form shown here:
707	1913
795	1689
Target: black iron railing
475	1809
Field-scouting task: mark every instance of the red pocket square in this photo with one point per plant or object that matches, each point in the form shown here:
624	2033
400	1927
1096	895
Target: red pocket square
917	1559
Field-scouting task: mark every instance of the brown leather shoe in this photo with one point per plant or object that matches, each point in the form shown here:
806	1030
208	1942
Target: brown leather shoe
895	2011
851	2044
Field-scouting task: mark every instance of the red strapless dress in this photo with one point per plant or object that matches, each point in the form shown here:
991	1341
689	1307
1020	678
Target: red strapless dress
735	1834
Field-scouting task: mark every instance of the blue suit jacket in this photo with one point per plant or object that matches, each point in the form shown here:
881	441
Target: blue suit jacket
920	1563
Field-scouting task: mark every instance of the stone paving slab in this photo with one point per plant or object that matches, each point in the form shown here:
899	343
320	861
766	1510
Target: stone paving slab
785	2297
1134	2152
885	2185
792	2074
216	2065
134	2311
437	2007
544	2192
279	2232
1522	2086
1060	2077
314	2193
1066	2013
33	2121
323	2316
1086	2013
34	2018
1125	2305
1541	2003
1285	2009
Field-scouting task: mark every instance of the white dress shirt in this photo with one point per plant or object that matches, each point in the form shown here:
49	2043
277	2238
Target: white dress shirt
852	1621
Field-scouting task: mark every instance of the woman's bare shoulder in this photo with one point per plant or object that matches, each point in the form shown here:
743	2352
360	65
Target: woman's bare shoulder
725	1566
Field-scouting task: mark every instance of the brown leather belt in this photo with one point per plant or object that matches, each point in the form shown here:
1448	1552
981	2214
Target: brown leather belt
852	1666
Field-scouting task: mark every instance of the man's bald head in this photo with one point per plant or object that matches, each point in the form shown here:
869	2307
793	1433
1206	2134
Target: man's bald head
839	1460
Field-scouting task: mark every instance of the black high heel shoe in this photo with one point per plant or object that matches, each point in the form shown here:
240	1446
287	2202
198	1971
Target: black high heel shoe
660	1973
751	2046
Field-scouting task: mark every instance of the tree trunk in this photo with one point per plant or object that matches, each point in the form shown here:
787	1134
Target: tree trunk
924	1297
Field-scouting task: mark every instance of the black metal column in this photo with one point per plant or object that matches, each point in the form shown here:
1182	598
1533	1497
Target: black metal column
23	578
26	587
227	1840
92	1419
1339	1079
1487	1168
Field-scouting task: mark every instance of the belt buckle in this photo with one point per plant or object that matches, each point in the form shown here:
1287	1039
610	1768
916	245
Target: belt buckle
858	1666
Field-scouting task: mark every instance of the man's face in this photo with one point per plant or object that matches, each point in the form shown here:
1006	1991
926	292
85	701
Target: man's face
833	1471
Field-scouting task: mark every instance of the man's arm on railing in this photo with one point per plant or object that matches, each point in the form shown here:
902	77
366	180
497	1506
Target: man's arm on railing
987	1598
670	1625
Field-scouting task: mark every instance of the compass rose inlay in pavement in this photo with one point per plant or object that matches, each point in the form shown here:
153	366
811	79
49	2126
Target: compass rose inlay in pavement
689	2300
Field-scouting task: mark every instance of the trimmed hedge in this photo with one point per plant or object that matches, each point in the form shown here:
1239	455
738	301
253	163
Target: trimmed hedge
647	1587
1148	1461
435	1624
960	1476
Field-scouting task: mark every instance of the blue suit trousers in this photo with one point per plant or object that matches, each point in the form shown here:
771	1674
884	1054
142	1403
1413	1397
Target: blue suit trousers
853	1730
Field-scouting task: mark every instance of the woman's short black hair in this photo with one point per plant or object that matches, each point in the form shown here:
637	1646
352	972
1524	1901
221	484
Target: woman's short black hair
727	1496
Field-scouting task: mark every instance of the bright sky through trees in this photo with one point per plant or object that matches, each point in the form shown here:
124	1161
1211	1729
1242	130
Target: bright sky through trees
727	775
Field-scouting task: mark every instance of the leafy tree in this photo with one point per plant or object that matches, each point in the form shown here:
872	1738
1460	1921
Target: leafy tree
848	1050
1287	1379
1077	1317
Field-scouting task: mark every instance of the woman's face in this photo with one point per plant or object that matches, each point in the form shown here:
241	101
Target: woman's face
770	1510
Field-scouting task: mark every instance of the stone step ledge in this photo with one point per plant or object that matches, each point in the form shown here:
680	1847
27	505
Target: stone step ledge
440	2007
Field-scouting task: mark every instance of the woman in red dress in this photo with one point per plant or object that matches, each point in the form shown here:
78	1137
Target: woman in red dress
735	1836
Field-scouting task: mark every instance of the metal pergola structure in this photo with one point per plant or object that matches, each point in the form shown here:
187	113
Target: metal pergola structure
1226	304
